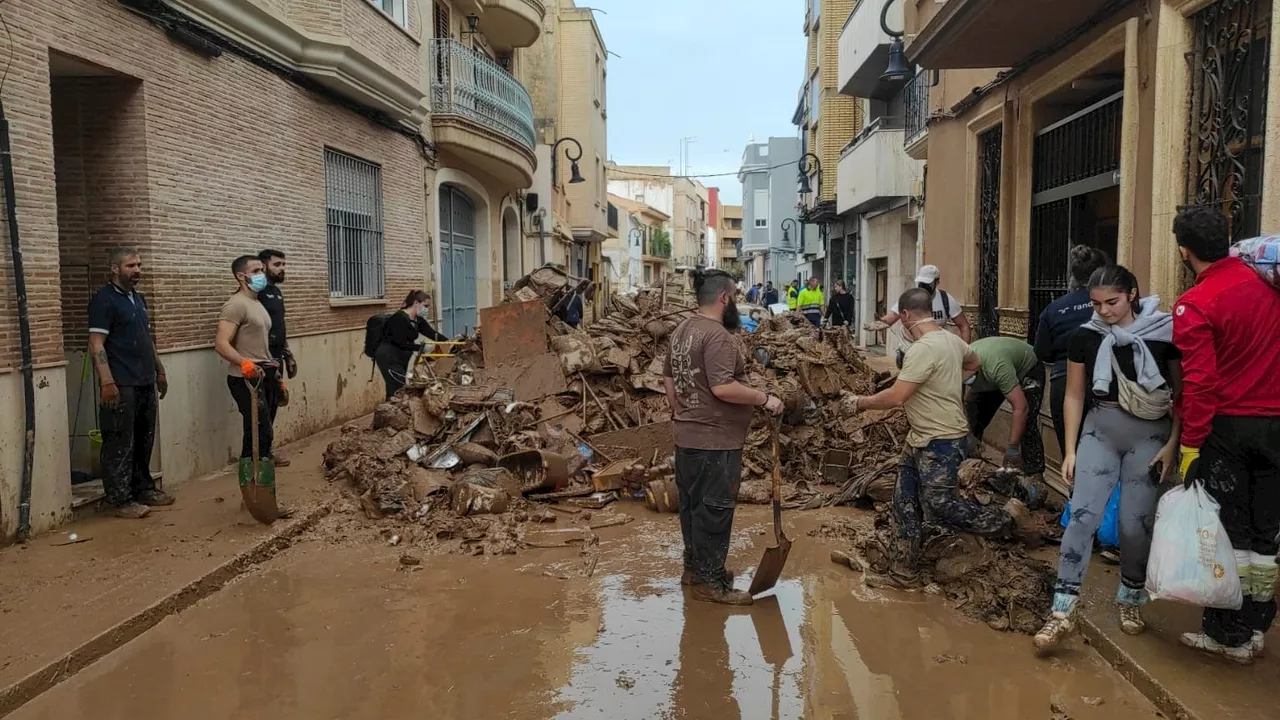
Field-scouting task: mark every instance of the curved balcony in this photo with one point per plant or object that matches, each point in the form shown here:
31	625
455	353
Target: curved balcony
512	23
481	115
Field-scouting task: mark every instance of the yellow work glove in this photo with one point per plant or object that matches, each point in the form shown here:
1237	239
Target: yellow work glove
1189	455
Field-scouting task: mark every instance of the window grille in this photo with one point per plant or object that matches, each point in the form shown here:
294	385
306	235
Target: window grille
353	210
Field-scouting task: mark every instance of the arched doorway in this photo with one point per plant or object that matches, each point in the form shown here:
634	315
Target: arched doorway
512	267
457	261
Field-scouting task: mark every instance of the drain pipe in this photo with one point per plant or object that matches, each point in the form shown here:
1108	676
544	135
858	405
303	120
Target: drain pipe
24	328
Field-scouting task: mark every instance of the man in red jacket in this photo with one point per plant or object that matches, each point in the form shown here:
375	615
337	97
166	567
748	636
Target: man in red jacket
1228	329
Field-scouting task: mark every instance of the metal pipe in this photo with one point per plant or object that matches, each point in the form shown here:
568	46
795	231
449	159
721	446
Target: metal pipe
24	329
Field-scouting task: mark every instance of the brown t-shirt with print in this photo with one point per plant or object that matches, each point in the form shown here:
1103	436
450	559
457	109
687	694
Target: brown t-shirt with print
705	355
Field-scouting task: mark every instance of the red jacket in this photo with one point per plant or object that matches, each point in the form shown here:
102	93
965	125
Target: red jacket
1228	329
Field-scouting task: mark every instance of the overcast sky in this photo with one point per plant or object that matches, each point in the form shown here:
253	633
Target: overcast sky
720	71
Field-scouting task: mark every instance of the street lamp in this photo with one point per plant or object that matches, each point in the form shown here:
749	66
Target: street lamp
636	235
809	162
898	70
575	175
786	236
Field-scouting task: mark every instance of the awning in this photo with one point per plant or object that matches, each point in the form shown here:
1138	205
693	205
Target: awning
1000	33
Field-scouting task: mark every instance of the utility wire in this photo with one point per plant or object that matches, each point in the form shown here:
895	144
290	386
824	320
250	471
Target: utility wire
625	174
8	61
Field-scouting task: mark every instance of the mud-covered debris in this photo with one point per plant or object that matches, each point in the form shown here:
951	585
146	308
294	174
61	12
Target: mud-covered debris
410	560
475	454
466	498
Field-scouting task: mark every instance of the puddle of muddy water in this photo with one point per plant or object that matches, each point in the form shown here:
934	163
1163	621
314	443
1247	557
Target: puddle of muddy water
342	631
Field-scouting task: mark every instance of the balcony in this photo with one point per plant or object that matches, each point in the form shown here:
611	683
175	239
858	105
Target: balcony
998	33
864	51
512	23
481	114
915	100
875	168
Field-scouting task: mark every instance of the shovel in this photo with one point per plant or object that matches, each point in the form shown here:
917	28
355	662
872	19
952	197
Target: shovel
258	475
770	568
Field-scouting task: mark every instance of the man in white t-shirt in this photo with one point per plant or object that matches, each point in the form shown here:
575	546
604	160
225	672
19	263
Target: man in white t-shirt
947	311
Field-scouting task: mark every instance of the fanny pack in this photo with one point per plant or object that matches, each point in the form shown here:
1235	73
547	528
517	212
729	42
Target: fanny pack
1137	400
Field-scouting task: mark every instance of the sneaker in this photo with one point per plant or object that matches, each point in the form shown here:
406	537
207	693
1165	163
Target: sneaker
894	581
687	578
723	594
1025	526
155	498
132	511
1204	643
1057	628
280	462
1257	645
1131	622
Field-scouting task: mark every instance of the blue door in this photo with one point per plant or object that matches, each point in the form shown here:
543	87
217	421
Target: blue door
457	261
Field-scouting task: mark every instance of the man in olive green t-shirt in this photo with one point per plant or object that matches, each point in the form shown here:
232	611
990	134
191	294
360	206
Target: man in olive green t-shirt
1010	371
929	389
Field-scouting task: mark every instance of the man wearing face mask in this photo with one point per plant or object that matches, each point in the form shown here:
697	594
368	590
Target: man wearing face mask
936	365
947	311
244	330
273	300
711	408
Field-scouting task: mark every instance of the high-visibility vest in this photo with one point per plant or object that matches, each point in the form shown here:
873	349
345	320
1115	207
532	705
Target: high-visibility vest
792	297
810	301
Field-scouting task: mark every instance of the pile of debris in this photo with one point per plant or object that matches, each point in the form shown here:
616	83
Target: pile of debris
994	581
532	411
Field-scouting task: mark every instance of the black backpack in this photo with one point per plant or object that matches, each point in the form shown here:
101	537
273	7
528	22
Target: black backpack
373	330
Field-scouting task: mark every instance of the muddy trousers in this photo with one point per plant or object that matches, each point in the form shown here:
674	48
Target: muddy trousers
128	432
240	392
1240	467
1115	447
981	409
926	492
708	483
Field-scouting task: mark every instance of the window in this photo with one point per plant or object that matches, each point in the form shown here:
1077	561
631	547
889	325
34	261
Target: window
764	151
761	208
353	214
393	9
442	21
599	81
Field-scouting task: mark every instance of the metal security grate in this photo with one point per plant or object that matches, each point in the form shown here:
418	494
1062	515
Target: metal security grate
1083	146
1051	233
1229	73
466	83
989	154
916	106
353	210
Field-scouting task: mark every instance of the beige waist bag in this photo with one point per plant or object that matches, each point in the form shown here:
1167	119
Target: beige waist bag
1137	400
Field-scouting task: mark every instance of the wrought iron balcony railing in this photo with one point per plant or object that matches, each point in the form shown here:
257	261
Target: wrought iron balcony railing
466	83
915	99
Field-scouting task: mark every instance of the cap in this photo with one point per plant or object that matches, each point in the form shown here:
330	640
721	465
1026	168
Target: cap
928	274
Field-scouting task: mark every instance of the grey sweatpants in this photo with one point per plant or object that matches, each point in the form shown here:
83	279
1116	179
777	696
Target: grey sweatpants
1115	447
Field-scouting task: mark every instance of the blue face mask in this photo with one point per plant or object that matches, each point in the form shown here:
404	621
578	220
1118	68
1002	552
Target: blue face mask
424	313
258	283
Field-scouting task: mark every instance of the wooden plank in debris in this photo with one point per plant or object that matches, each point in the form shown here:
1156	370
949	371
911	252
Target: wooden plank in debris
513	331
658	436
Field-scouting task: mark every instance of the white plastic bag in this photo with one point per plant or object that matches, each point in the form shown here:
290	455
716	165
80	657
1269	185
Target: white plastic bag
1191	558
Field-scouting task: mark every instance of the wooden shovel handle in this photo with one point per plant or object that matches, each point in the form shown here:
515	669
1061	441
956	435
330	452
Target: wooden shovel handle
777	475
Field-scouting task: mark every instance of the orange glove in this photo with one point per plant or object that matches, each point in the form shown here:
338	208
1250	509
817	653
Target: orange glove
249	369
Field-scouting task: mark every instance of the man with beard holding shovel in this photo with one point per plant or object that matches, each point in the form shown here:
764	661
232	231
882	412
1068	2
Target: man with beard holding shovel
711	410
929	388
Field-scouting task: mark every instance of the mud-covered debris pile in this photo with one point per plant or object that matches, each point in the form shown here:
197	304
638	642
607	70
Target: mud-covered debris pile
991	580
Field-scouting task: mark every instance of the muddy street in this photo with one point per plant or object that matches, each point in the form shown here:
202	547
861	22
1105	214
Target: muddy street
338	628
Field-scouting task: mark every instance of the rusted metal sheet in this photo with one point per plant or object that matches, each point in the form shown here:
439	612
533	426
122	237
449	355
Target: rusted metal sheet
513	331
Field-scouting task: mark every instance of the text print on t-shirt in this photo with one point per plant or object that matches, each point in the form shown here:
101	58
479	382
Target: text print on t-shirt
683	370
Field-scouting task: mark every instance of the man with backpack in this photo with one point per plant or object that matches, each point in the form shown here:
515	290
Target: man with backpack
947	311
1228	329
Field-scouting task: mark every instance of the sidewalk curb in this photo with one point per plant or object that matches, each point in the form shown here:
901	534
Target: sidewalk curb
44	679
1133	672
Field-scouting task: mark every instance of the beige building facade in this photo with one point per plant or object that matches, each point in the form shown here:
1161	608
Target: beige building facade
685	200
1109	117
730	235
378	144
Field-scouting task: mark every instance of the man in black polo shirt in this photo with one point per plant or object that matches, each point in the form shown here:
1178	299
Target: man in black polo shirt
273	300
132	381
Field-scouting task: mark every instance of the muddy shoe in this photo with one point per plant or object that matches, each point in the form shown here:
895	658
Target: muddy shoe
1131	622
132	511
1025	526
723	594
687	578
1258	644
155	498
1059	627
893	581
1204	643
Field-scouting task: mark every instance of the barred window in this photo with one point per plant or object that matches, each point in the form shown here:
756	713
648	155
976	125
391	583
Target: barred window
353	209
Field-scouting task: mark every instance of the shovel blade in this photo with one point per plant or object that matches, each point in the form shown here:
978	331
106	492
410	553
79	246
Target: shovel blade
260	501
770	567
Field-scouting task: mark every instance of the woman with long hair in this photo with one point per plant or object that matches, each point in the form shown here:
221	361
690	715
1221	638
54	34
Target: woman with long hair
1123	372
400	339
